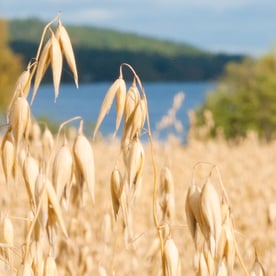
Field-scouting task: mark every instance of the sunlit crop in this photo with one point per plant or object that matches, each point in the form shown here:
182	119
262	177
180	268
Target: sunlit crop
123	205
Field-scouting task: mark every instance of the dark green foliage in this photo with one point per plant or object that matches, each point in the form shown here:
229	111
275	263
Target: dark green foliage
102	65
99	52
102	39
245	99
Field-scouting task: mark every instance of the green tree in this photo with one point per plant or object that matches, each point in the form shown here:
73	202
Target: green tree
10	67
245	99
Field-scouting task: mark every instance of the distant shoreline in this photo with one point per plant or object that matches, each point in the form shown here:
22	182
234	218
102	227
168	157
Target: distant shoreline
99	53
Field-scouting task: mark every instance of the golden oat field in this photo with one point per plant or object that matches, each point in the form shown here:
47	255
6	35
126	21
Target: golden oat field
80	204
96	242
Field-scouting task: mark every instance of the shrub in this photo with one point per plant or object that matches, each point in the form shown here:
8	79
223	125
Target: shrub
245	99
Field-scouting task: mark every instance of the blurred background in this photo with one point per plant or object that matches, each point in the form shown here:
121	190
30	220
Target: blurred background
190	44
209	72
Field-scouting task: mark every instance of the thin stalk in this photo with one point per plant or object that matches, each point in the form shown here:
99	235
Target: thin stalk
228	203
222	187
67	122
40	47
28	239
135	75
154	194
240	257
43	35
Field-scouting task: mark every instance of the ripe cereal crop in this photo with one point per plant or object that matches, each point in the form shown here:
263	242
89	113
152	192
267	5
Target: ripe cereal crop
123	205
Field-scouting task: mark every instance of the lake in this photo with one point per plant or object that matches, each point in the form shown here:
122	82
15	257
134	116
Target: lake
86	102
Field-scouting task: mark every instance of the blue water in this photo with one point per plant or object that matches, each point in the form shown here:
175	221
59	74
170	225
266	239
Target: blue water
86	102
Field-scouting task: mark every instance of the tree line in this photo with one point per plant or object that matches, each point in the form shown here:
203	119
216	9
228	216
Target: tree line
244	100
99	65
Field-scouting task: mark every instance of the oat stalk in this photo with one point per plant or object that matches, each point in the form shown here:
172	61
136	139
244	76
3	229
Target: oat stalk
153	162
41	44
44	188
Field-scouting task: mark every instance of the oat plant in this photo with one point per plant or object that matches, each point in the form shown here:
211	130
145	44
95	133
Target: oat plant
132	108
210	223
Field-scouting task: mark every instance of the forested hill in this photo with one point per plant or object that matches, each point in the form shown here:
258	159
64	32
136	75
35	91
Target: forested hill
99	52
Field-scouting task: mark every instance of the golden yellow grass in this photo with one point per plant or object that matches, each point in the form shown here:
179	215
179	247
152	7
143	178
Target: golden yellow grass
58	229
96	242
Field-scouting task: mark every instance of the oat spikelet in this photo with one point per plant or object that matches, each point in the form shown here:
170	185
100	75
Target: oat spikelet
40	194
135	164
50	267
56	62
131	115
132	100
35	132
67	49
22	86
107	102
120	104
37	258
135	122
8	156
166	180
192	208
138	119
210	260
47	142
167	201
19	120
226	244
116	187
43	64
211	211
84	161
172	258
168	207
53	200
62	171
226	247
30	173
143	111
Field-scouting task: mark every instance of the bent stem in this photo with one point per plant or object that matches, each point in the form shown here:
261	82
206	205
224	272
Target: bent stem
135	75
154	194
226	198
40	47
28	239
228	203
57	138
67	122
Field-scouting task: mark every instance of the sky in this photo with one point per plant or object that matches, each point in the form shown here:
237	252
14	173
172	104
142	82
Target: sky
229	26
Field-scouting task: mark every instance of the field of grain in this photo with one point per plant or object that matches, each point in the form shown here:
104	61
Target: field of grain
248	173
96	243
78	204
